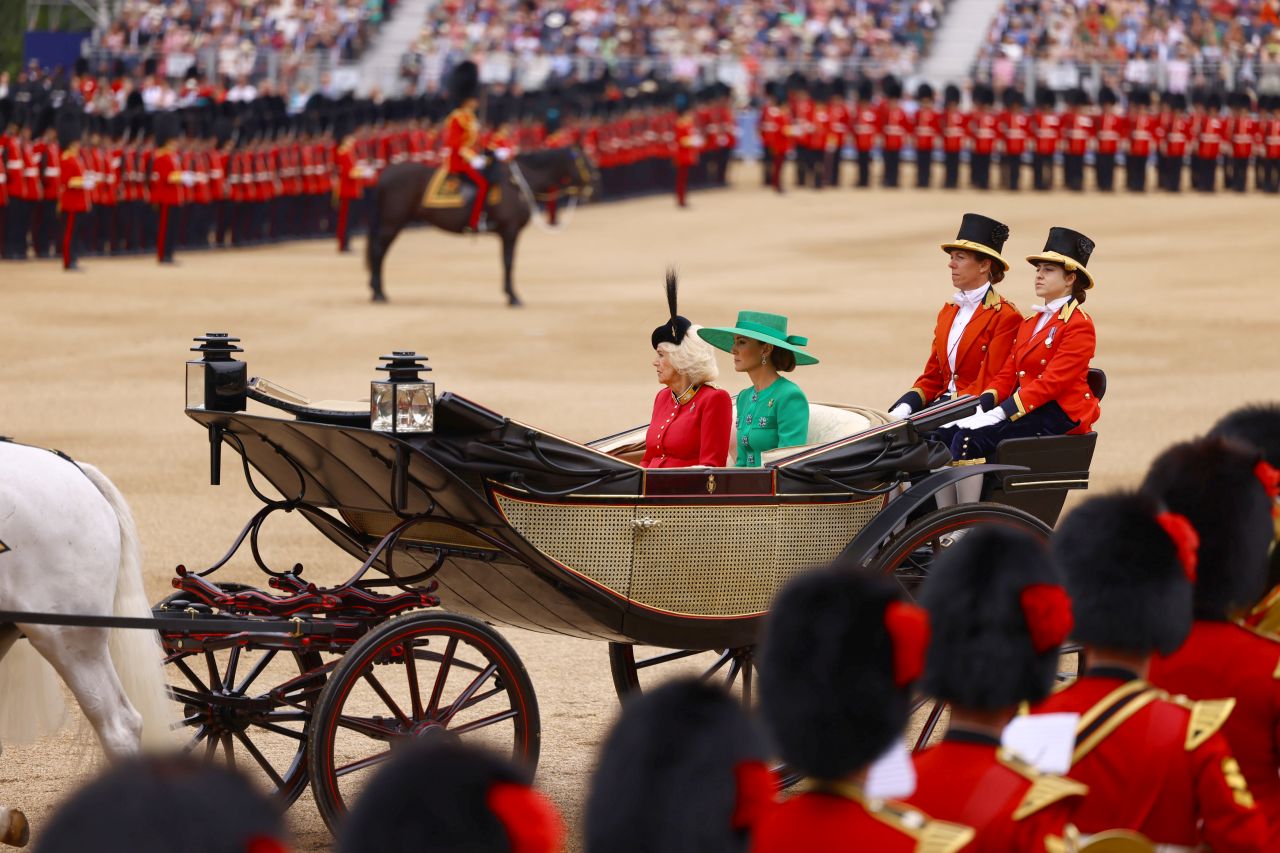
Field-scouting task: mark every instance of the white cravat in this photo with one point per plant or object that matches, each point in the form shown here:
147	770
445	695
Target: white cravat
1047	311
968	300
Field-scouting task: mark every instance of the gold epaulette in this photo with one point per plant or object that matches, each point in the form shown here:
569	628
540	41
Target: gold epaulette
1046	788
932	836
1207	717
1267	614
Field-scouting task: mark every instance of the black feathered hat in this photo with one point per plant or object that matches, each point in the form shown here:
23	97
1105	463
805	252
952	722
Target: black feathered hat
1215	483
1069	248
442	794
981	234
1128	575
682	771
464	82
998	613
674	330
840	651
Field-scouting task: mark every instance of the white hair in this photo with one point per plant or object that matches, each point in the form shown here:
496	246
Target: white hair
693	358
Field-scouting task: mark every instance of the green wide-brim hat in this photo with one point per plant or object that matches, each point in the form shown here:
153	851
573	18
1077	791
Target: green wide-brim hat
766	328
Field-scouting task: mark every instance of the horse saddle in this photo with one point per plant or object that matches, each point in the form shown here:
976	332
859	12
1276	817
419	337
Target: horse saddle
450	189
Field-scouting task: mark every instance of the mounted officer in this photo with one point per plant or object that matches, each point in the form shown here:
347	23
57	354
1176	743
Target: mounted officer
461	132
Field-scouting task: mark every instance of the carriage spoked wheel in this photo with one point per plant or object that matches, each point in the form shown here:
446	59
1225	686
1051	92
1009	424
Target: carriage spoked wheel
908	558
248	707
644	667
416	676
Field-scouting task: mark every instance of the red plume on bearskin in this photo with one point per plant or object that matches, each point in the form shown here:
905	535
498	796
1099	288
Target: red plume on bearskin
908	626
757	792
1047	609
1269	477
531	822
1185	538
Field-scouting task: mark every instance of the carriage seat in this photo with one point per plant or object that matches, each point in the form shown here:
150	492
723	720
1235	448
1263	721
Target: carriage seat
826	424
336	412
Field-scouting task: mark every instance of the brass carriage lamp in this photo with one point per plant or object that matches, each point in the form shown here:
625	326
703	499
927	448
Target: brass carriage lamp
217	382
403	402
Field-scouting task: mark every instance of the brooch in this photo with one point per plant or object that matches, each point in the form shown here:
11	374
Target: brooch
771	403
763	421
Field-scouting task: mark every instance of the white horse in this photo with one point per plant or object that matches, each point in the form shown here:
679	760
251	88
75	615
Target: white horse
68	545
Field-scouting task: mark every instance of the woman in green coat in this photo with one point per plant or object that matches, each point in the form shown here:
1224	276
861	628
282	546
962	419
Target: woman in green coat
773	412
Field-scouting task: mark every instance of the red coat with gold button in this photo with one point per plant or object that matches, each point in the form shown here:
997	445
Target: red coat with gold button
1157	766
1051	365
1253	679
981	352
841	820
695	432
73	196
1009	804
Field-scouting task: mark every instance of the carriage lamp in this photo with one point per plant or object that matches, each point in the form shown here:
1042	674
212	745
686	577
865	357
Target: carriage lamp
217	382
403	402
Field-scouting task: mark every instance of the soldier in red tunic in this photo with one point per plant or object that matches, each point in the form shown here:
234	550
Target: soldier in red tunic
1154	764
1226	491
1178	129
815	143
866	130
928	133
1243	132
688	147
1015	129
840	653
13	164
1142	127
802	129
955	134
461	130
1078	126
166	184
352	176
1209	129
1046	125
774	141
1268	164
839	126
983	129
895	127
975	328
75	183
1111	129
998	614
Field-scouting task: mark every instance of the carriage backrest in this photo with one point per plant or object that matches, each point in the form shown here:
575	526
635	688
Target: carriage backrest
827	423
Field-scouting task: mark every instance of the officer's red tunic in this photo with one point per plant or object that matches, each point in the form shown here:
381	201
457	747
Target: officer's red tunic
1197	671
695	433
1009	804
1165	770
844	822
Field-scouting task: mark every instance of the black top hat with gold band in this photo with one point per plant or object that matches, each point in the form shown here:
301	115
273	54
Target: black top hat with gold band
674	330
981	234
1069	248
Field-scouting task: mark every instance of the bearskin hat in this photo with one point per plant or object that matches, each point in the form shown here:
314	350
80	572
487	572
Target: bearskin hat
464	82
70	126
865	90
924	94
890	86
1045	98
1257	425
1127	577
682	770
951	95
1107	97
442	794
983	95
998	613
840	650
1140	97
1214	482
1011	98
166	128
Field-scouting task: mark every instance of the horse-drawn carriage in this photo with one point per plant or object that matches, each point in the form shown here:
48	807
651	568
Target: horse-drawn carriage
474	522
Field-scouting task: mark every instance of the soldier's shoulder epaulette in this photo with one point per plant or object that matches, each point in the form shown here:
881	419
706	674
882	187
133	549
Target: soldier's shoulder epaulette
932	836
1264	619
1207	716
1046	788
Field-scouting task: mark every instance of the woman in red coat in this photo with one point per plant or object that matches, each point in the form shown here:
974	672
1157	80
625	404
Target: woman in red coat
691	419
1043	387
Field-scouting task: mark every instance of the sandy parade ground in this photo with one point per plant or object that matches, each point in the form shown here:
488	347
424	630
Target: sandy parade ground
91	363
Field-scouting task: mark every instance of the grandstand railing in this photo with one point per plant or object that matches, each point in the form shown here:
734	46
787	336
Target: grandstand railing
1183	76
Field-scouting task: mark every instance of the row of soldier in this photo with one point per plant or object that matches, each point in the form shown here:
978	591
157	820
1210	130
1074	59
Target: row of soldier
816	123
234	175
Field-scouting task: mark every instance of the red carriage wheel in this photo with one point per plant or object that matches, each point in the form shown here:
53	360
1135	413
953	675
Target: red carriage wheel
420	675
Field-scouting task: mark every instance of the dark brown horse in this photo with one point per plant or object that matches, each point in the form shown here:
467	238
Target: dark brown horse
411	192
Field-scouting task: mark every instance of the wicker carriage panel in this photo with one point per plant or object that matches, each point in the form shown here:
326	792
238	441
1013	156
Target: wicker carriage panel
812	534
706	560
594	541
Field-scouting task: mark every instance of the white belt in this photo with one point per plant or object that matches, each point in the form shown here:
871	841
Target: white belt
14	164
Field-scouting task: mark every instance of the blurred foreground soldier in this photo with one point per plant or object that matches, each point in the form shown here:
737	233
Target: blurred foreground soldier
998	615
1227	492
163	805
840	652
682	770
166	184
975	329
1154	764
76	184
1259	426
444	796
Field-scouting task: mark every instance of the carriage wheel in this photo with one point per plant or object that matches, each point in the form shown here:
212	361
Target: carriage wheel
644	667
909	556
424	674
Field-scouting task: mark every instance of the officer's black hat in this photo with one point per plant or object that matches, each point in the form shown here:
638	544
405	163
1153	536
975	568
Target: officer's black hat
674	330
924	94
1130	587
7	111
951	95
464	82
1011	98
839	653
1215	483
443	794
682	770
998	613
981	234
70	126
890	86
1069	248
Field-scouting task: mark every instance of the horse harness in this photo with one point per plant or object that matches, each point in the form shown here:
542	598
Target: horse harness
7	439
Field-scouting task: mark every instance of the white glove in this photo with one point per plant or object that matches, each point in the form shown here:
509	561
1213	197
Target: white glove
188	179
478	162
901	410
90	183
503	154
980	420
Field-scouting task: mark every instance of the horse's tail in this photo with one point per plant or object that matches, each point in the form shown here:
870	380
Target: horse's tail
373	236
136	654
31	706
